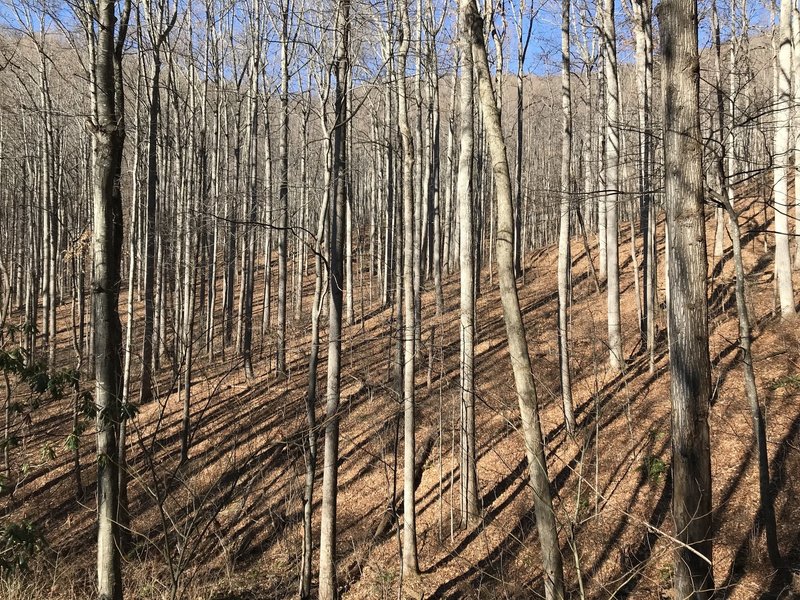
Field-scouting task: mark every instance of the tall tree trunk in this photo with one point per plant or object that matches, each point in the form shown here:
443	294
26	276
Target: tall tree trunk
251	211
690	366
564	255
107	36
783	263
644	81
311	407
796	124
341	68
410	562
469	473
616	360
515	329
283	187
159	33
766	506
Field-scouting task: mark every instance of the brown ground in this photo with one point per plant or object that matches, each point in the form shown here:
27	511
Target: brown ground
233	512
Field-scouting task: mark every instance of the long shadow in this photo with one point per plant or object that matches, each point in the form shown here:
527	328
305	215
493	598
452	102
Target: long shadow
491	514
752	233
495	561
637	560
777	482
723	296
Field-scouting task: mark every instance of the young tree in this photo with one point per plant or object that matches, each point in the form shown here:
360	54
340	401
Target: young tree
564	257
251	212
766	507
106	31
159	26
341	69
410	562
469	474
643	31
515	328
286	8
783	262
611	196
690	366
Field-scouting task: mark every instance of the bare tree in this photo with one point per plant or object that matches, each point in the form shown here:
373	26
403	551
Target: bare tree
690	365
783	262
106	32
286	8
341	69
611	198
469	474
159	25
766	505
515	329
564	257
410	563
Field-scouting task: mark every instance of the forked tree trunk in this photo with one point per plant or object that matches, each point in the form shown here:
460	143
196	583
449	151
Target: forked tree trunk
515	329
690	366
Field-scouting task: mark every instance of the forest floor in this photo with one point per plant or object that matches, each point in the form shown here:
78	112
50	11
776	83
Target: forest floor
227	524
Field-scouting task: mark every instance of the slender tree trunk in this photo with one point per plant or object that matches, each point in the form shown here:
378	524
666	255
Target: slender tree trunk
469	473
766	504
148	338
796	124
644	80
327	557
783	263
249	245
564	255
410	562
311	403
283	187
515	329
616	360
107	37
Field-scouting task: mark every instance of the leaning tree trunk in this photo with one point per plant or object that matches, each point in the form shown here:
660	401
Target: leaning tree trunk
766	506
515	328
690	366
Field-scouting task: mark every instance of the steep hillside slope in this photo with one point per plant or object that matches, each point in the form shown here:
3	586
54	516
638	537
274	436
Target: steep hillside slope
228	522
